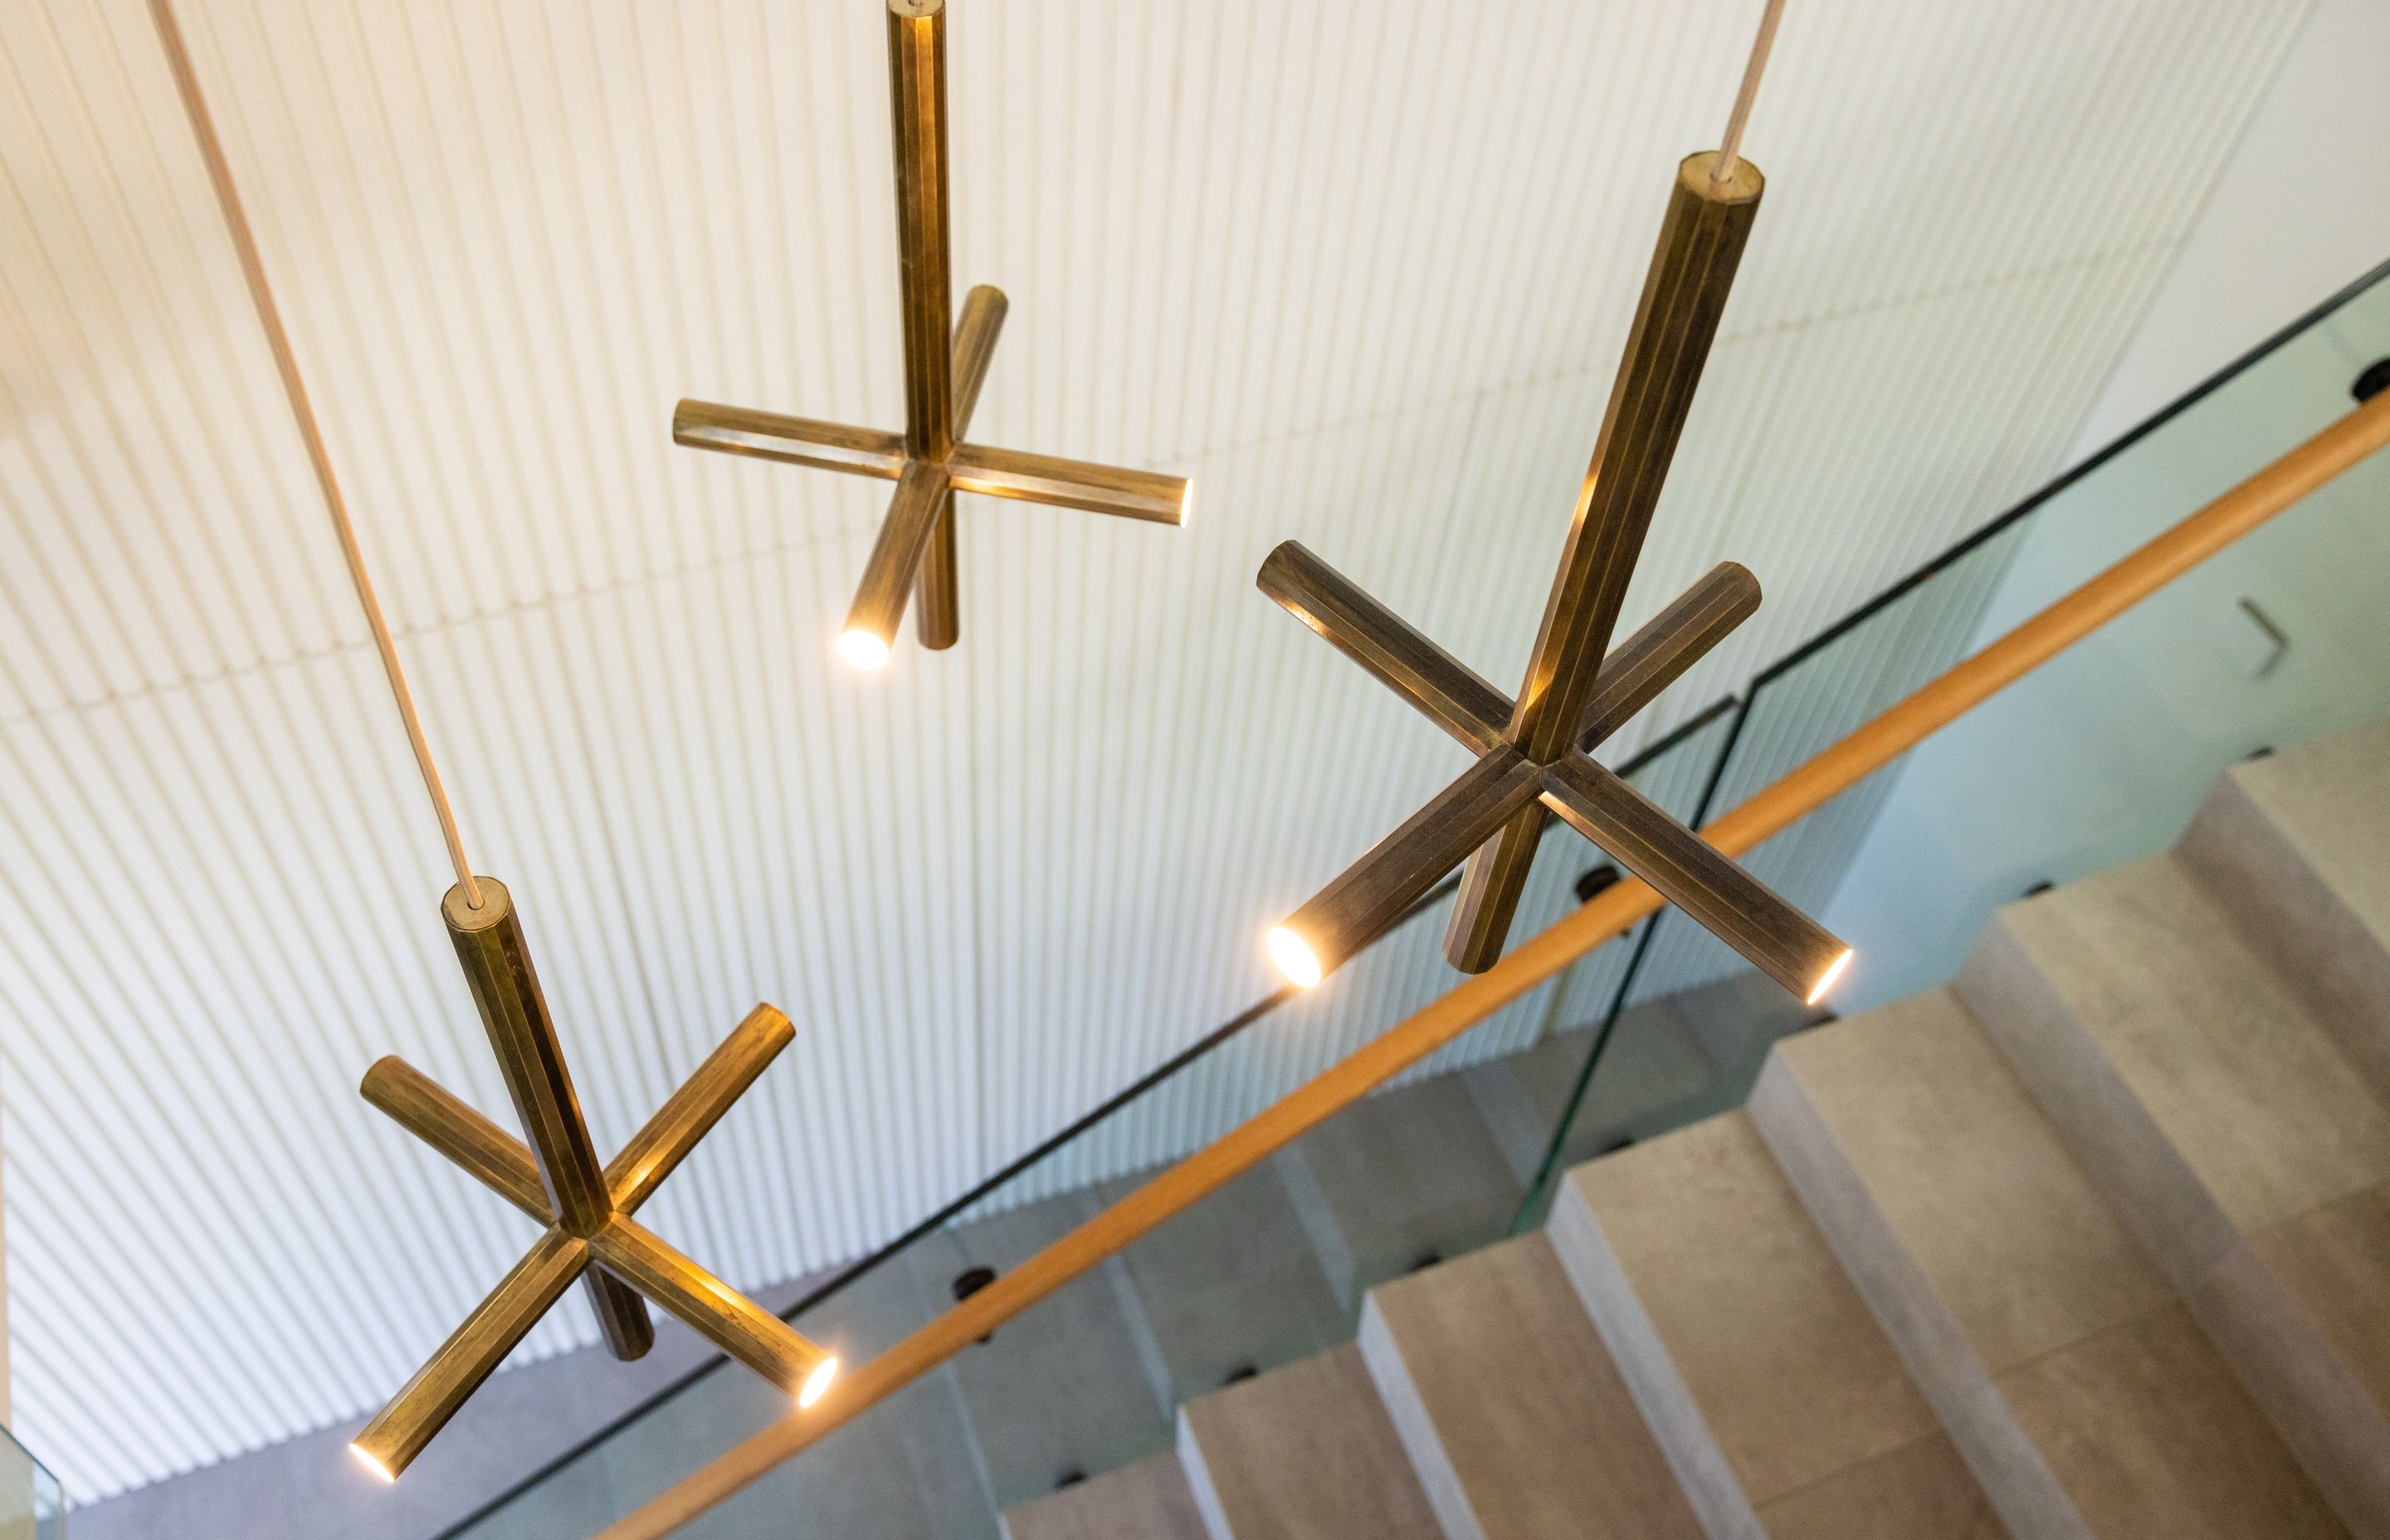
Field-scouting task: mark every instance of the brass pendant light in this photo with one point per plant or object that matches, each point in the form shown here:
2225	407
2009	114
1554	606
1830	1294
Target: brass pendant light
590	1234
1533	754
929	461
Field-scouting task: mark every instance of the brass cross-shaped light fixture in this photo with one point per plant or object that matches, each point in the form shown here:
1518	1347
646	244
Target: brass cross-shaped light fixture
929	461
1533	753
558	1181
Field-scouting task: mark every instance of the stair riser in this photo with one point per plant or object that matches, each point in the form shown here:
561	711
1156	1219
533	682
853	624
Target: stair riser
2292	918
1719	1502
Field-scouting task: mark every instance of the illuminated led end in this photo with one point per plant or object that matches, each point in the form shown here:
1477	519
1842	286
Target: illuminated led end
863	650
370	1463
1295	957
1826	980
1186	504
818	1382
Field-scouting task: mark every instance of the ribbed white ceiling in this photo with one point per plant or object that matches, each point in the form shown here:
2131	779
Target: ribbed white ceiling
1362	273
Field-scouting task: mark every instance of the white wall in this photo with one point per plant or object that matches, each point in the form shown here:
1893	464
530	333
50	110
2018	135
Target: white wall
2102	755
2302	208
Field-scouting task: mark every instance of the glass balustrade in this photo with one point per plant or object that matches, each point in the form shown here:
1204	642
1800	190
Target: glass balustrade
2099	756
32	1506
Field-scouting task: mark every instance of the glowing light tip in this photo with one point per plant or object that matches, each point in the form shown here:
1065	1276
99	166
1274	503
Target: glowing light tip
371	1464
862	649
818	1382
1295	957
1826	980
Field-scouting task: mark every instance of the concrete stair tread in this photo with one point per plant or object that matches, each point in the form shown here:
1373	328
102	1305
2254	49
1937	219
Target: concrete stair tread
2151	1433
2079	1385
1736	1290
1516	1418
2250	1089
2015	1239
1148	1501
1920	1491
1305	1451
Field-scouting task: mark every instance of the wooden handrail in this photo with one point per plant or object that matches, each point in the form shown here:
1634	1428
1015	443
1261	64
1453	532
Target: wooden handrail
1832	772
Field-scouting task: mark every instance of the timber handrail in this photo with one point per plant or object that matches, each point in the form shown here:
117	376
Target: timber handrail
1837	769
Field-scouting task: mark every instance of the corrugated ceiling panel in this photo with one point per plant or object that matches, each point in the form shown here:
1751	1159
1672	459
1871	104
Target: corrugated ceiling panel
1363	278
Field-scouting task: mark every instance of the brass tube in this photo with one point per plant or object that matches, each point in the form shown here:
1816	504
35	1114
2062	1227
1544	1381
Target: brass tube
691	1111
489	943
424	1405
1492	883
418	1105
798	441
1368	895
917	90
1684	293
922	496
1143	495
939	622
1664	646
720	1313
1728	902
1393	652
622	1318
1692	268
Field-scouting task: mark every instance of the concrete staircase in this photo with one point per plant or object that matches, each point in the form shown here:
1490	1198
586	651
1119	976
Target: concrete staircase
2093	1243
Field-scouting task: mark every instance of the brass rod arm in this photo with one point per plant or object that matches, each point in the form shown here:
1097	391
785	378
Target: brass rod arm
798	441
1692	267
1724	898
913	512
1366	895
690	1112
1700	242
917	94
425	1402
1149	495
1395	653
418	1104
939	621
720	1313
1493	881
1664	646
496	959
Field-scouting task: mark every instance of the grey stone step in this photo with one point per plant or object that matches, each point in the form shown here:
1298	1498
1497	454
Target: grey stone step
2070	1376
1066	1386
2295	848
1398	1178
1234	1281
1773	1391
2232	1133
1517	1419
1301	1453
1149	1500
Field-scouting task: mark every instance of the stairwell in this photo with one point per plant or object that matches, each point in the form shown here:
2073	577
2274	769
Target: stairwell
2093	1243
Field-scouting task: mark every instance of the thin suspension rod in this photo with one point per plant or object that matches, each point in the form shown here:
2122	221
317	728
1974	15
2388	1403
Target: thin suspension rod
269	317
1731	147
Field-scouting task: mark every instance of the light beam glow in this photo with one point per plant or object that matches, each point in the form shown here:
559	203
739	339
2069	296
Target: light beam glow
1295	957
863	650
1826	980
